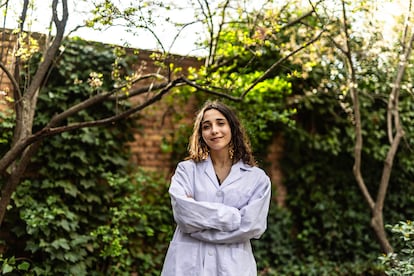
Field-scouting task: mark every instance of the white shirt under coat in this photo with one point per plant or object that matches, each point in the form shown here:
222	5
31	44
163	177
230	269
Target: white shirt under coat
215	223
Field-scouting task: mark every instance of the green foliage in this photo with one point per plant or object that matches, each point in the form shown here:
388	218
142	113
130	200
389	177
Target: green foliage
264	109
402	261
279	251
136	236
276	246
77	211
11	264
57	206
6	130
132	235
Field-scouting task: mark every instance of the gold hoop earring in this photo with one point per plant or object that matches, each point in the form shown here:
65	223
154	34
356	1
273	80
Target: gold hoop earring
231	151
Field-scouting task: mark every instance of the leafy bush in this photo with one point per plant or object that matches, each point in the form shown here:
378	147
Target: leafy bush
401	262
136	236
284	251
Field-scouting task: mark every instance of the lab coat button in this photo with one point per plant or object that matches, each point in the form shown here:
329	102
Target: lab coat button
210	253
219	193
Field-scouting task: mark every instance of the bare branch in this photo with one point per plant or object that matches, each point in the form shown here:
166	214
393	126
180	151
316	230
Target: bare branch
96	99
210	28
230	60
393	100
358	149
386	173
10	186
17	94
357	114
52	50
336	44
407	25
276	64
53	131
179	33
22	19
139	91
6	3
209	91
215	40
299	19
393	112
49	130
156	38
11	78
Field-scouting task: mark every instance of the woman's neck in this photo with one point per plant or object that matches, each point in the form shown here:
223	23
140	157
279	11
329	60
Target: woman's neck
222	164
221	159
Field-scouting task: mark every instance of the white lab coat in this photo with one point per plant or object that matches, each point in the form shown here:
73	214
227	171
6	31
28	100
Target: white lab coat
216	222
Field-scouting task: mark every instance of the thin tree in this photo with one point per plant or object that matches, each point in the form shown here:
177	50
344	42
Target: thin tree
394	130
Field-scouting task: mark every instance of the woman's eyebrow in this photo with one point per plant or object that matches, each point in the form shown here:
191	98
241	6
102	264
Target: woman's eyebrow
217	119
220	120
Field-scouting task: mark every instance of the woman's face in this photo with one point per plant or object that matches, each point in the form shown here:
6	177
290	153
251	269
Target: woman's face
215	130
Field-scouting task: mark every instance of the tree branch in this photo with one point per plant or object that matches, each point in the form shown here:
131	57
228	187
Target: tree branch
299	19
357	115
52	50
337	45
56	130
102	97
392	111
18	171
49	130
209	91
277	63
230	60
17	94
11	78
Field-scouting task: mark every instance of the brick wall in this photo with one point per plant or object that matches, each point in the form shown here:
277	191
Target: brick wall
6	54
156	122
274	155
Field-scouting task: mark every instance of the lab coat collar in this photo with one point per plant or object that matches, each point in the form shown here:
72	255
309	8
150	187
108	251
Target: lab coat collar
235	172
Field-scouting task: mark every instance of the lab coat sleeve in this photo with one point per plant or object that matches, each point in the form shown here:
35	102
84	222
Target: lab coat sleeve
191	215
253	219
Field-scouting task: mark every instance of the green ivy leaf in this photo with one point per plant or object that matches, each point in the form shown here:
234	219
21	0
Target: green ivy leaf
60	243
6	268
24	266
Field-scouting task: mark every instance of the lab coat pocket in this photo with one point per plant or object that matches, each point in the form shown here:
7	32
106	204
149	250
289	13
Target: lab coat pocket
181	259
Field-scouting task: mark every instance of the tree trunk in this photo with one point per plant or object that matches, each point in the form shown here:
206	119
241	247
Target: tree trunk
377	223
17	171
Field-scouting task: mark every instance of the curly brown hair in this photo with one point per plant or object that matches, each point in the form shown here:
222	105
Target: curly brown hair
197	147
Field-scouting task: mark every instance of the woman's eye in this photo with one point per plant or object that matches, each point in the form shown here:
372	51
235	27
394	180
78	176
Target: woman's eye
206	127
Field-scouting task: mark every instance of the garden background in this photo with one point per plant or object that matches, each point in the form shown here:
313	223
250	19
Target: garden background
90	134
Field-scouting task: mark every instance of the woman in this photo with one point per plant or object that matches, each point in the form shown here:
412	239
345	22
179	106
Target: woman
220	200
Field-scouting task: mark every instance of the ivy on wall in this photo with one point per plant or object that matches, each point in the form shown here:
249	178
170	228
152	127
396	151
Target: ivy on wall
82	210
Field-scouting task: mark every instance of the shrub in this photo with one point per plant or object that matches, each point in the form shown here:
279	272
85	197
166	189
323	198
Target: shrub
401	262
